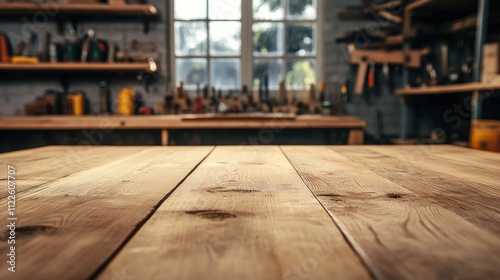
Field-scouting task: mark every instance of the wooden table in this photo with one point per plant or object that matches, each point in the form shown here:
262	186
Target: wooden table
176	122
263	212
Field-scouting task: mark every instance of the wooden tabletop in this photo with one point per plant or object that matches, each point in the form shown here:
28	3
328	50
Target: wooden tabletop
179	122
264	212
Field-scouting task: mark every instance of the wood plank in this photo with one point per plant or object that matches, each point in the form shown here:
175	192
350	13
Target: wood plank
444	89
477	202
68	229
35	167
172	122
424	157
482	159
399	234
242	214
79	67
78	9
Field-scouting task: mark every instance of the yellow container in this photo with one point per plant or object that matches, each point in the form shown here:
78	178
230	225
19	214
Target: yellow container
78	101
126	102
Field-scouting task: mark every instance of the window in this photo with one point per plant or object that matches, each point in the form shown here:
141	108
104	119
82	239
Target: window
228	43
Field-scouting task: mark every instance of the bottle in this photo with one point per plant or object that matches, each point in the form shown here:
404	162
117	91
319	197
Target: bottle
78	103
126	102
104	98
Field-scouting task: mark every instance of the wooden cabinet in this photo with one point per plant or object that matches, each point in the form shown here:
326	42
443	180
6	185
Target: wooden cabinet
485	135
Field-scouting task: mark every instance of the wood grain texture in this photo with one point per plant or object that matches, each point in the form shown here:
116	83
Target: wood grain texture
78	9
35	167
174	122
79	67
399	234
449	89
244	213
476	198
481	159
68	229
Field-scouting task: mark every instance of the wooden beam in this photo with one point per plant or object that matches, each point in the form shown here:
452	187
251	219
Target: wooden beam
411	58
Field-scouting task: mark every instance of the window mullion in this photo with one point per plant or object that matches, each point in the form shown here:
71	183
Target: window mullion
246	44
209	61
285	51
319	41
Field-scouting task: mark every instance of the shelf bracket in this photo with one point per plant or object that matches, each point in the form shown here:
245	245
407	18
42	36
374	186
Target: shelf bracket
146	25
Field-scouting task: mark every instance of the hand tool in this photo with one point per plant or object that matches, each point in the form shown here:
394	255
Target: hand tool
32	49
104	98
266	87
45	54
198	102
88	39
444	62
5	49
409	58
322	91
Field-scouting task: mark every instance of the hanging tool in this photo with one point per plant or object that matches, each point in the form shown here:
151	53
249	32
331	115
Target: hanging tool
87	42
371	77
364	58
5	49
104	98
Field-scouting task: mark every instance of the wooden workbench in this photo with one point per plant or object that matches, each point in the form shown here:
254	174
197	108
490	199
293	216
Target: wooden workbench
176	122
254	212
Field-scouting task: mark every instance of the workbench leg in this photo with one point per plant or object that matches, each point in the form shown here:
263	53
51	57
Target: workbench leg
356	137
477	106
403	126
164	137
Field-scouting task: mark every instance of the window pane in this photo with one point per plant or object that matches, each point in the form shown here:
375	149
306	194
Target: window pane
300	73
272	68
301	9
190	38
225	74
184	9
268	38
225	38
300	40
224	9
191	71
268	10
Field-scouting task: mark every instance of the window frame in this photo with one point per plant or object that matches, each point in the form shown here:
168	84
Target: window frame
247	56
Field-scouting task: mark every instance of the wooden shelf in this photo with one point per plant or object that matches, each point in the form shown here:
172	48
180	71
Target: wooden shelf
469	87
79	67
442	5
79	9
